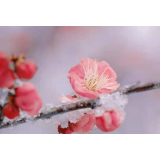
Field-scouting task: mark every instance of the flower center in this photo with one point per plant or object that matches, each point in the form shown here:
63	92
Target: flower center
92	80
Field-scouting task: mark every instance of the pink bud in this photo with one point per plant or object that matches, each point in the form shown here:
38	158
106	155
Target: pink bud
7	78
64	130
109	121
11	111
27	99
25	69
4	60
84	125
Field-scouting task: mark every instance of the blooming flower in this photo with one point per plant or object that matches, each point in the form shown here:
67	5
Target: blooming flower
27	99
91	78
25	69
109	121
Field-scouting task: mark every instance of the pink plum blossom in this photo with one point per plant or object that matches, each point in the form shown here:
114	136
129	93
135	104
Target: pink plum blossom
91	78
27	98
109	121
25	69
7	78
11	111
84	125
64	130
4	60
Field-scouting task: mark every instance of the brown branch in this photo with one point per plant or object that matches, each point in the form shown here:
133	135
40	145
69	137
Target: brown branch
1	114
91	103
139	87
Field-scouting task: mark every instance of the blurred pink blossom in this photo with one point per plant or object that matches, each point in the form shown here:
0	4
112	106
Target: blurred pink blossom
25	69
4	60
11	111
7	78
27	99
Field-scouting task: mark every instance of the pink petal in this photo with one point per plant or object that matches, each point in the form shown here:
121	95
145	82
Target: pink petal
86	63
109	121
64	130
68	98
26	69
83	91
4	60
7	78
82	122
87	127
109	71
27	99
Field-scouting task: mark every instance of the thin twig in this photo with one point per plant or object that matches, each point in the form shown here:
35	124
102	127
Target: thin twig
1	114
1	108
91	103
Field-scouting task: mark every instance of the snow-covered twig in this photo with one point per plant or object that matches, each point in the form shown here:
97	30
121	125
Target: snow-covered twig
90	103
140	87
1	114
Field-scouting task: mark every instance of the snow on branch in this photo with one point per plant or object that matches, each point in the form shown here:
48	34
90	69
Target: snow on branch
96	101
47	113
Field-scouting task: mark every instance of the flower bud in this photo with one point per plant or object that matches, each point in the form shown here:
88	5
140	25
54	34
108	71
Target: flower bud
27	99
25	69
11	111
109	121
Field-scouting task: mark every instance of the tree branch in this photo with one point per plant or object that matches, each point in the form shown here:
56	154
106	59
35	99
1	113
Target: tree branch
1	114
91	103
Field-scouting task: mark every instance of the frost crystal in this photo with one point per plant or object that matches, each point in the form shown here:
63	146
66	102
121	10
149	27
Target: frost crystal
73	116
114	101
3	99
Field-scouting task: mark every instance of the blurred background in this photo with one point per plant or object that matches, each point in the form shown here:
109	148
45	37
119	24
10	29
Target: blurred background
133	52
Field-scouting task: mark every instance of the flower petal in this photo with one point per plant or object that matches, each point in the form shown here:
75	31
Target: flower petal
81	90
104	66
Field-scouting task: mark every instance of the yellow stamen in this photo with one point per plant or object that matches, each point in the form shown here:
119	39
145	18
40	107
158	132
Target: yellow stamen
93	81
